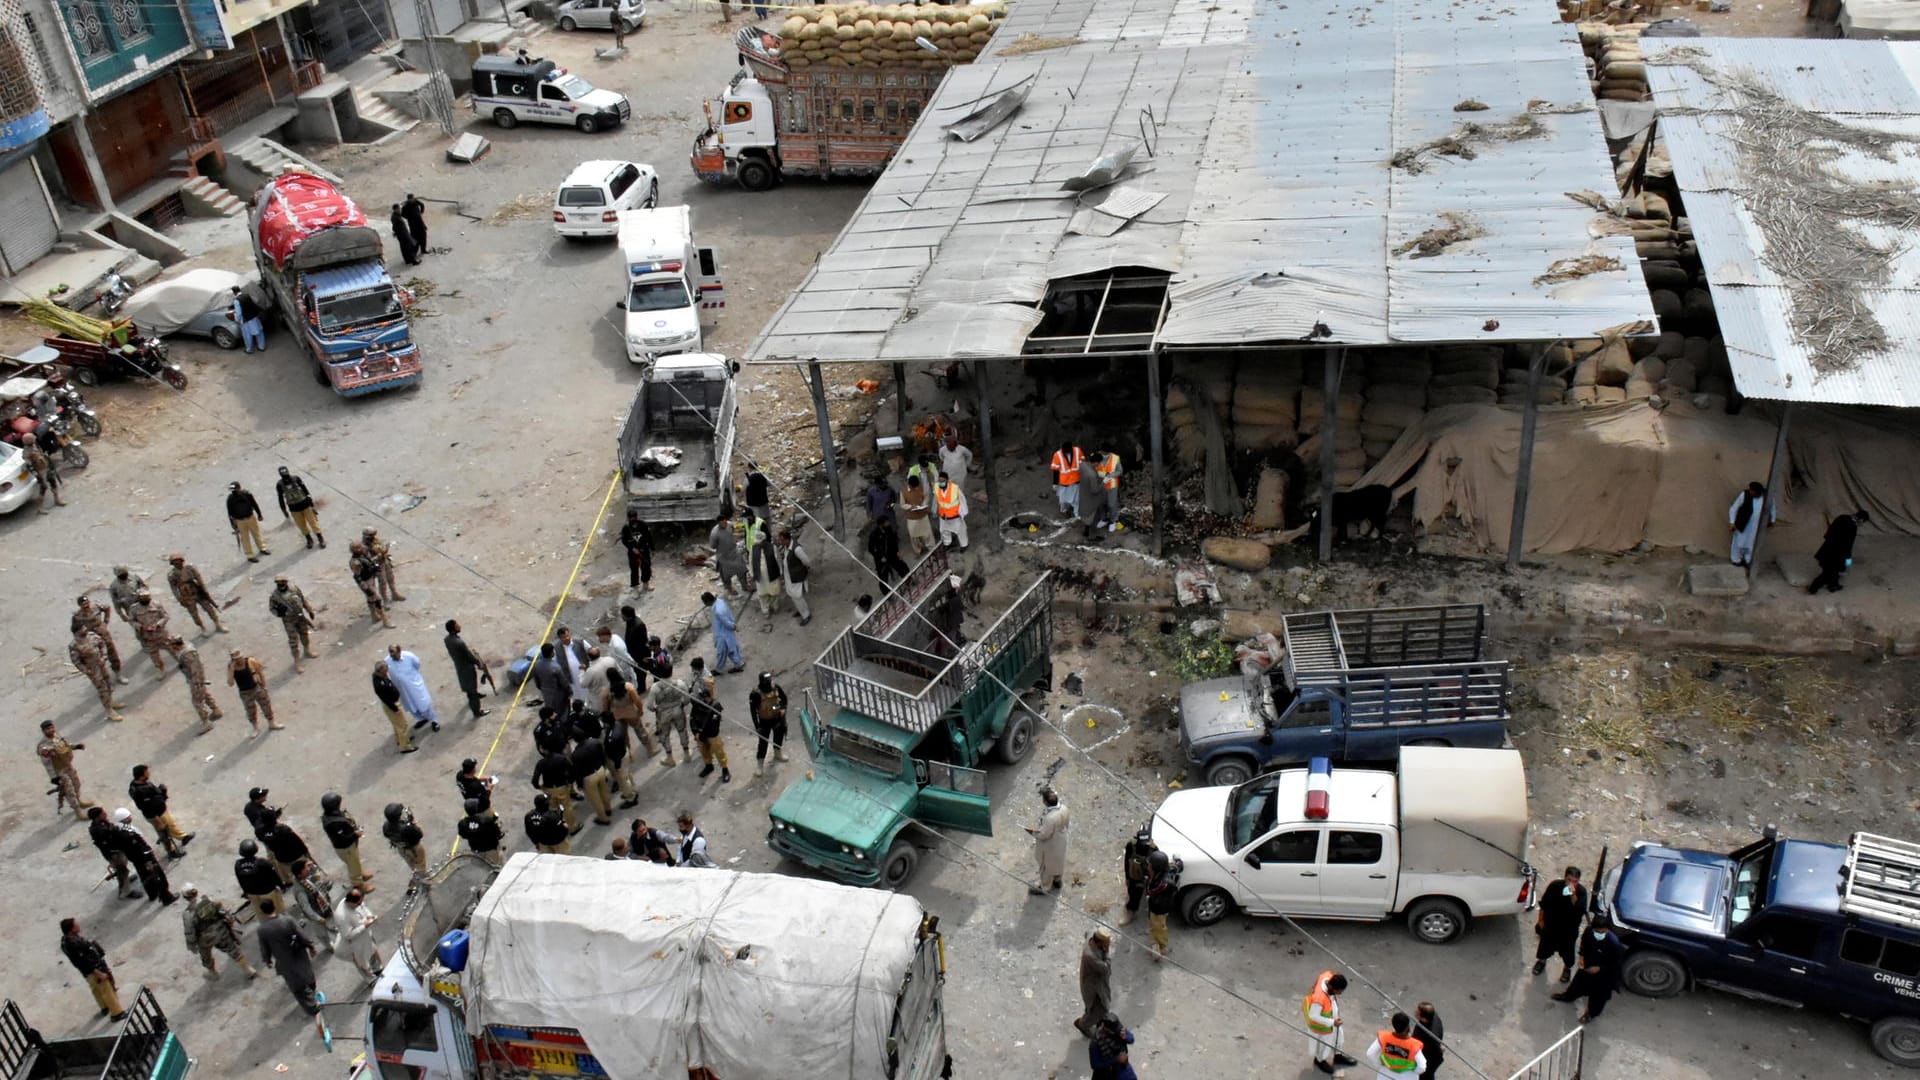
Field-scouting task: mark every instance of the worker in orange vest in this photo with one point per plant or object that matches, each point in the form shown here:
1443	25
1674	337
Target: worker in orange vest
1066	478
1106	469
1396	1054
1322	1009
950	503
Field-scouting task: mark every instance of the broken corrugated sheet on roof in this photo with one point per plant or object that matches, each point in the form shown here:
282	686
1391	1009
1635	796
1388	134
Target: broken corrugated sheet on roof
1795	162
1269	135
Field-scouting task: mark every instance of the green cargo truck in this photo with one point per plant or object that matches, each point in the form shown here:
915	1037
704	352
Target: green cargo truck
142	1046
903	721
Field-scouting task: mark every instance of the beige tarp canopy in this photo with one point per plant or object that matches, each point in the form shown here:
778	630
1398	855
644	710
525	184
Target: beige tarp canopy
1608	478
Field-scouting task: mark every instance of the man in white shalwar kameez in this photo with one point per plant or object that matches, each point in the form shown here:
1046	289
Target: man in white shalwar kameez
404	669
355	918
1743	521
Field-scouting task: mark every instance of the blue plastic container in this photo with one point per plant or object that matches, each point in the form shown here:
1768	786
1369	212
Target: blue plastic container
453	950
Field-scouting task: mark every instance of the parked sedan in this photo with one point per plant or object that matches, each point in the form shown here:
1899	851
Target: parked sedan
600	14
17	484
590	199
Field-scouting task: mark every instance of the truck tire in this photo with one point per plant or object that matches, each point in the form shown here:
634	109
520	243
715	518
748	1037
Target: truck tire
587	124
225	338
504	118
85	376
1437	921
1229	771
1016	742
898	866
1897	1038
756	175
320	374
567	24
653	194
1205	905
1652	973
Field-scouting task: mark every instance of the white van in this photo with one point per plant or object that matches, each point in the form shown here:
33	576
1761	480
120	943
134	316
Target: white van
522	88
668	283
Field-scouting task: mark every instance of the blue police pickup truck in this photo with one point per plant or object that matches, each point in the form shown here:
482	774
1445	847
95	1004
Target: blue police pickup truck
1789	921
1352	686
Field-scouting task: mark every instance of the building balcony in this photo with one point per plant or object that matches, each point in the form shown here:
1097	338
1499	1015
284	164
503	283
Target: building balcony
244	15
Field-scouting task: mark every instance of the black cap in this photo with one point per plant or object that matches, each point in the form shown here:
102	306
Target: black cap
257	794
330	801
394	810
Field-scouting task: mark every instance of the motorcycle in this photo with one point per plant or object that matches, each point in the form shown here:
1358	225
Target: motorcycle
117	290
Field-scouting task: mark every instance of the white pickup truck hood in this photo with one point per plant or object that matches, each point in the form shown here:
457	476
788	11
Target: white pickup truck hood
601	99
677	329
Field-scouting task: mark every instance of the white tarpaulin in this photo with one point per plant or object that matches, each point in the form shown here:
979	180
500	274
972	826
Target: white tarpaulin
755	976
166	306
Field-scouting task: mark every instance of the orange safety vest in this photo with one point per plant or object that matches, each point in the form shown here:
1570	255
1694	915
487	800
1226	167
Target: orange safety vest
1106	469
1069	469
948	497
1398	1055
1319	1004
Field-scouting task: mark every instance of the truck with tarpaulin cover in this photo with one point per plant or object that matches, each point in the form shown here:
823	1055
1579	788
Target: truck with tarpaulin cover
839	103
324	269
140	1046
555	965
912	709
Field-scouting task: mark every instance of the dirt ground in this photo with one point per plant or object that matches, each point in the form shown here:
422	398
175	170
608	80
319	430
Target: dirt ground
1628	735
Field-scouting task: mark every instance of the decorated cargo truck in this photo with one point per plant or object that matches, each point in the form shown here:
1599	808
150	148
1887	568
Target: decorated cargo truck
324	269
835	91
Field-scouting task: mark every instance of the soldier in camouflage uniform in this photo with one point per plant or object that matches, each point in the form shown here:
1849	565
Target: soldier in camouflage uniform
210	926
290	606
150	626
124	589
90	659
382	555
190	589
366	574
188	658
46	471
94	620
56	754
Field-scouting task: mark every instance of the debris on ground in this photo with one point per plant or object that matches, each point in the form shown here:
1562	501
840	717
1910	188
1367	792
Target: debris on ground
1458	228
1576	268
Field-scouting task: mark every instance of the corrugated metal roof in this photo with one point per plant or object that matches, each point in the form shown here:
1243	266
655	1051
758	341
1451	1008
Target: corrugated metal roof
1706	90
1272	133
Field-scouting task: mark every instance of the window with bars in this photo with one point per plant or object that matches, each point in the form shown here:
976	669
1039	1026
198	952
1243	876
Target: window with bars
102	27
130	23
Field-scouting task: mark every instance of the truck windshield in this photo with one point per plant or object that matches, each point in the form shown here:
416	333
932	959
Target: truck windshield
658	296
1750	886
348	310
399	1027
1250	812
868	752
574	87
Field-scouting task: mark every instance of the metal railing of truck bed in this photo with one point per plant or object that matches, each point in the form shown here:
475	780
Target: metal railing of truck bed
1027	623
1329	641
921	582
133	1052
1421	695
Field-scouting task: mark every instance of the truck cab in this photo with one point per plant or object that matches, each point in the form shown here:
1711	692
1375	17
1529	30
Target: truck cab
1352	686
668	284
1789	921
741	141
912	720
522	88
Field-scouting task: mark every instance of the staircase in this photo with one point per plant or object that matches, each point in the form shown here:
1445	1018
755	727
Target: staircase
375	111
204	198
270	159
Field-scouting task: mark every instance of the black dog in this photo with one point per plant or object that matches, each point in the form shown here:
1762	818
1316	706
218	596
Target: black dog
1370	504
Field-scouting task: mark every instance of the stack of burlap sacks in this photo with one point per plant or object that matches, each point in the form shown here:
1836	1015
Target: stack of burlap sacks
1674	365
858	34
1611	12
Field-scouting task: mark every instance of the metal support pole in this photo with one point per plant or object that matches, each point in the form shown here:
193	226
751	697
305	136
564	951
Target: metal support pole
1155	440
828	457
1774	482
995	541
1523	483
1335	362
900	402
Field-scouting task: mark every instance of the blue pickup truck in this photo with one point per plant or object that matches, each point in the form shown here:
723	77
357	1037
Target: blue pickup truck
1352	686
1789	921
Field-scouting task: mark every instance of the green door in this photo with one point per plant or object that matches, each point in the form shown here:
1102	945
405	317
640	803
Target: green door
953	796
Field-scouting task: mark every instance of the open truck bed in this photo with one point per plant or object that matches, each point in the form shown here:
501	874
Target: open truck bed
142	1048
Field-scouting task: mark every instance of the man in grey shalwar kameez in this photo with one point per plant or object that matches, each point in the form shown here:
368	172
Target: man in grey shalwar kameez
286	950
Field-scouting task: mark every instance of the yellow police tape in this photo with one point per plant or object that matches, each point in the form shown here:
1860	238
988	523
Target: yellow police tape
572	578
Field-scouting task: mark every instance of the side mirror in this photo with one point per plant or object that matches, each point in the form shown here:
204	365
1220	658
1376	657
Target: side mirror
621	303
1253	860
733	366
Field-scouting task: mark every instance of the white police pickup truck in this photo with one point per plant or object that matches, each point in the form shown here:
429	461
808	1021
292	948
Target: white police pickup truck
529	89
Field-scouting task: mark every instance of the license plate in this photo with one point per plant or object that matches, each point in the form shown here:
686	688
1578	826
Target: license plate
547	1060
